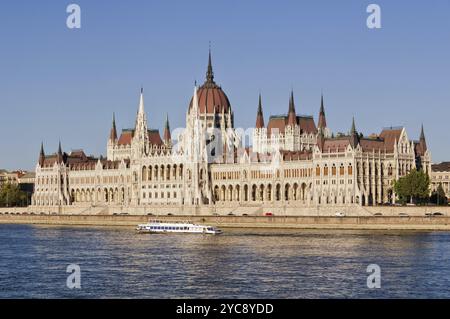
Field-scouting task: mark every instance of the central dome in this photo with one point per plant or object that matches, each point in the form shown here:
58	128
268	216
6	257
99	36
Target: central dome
211	98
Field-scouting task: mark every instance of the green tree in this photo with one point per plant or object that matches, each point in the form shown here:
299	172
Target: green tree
438	197
413	188
11	196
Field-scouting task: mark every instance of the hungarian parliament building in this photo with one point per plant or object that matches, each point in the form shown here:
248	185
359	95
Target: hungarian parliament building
289	161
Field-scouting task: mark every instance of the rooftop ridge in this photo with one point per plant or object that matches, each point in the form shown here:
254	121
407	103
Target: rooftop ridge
392	128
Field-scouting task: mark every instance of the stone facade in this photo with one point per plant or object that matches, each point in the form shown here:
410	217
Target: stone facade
440	175
292	162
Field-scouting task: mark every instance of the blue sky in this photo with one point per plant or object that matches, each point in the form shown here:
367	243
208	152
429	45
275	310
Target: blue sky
62	84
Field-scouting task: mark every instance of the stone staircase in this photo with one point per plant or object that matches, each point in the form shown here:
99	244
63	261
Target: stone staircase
250	211
95	210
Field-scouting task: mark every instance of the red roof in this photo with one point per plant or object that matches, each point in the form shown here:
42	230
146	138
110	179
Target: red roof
279	122
297	155
335	145
389	136
441	167
369	145
127	135
154	137
210	98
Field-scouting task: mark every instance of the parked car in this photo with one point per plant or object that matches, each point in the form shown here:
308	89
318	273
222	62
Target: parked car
244	214
438	214
230	214
149	214
339	214
378	214
268	214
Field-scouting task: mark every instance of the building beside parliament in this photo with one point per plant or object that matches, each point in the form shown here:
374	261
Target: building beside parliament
292	162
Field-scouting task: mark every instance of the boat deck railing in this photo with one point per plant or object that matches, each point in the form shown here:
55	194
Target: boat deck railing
157	221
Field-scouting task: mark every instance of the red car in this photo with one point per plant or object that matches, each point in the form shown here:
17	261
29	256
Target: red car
268	214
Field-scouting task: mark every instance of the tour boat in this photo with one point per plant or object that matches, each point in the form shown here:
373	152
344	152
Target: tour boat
157	226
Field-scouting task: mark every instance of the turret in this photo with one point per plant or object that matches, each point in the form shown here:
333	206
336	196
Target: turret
292	116
322	120
209	71
320	140
354	138
422	141
167	136
141	131
229	119
41	160
59	155
259	115
113	132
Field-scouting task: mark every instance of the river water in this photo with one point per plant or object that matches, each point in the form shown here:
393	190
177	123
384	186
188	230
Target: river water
241	263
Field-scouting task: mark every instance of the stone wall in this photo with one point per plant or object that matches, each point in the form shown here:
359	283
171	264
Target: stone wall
237	210
286	222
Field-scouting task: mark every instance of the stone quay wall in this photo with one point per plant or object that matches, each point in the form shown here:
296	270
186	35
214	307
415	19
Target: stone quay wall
416	220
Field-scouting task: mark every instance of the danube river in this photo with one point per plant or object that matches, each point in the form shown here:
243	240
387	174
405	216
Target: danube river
241	263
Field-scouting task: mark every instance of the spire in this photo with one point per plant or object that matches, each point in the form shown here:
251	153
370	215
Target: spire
229	121
113	133
322	120
354	138
42	155
141	101
59	155
141	130
292	116
259	115
353	129
209	72
194	110
167	137
320	140
423	141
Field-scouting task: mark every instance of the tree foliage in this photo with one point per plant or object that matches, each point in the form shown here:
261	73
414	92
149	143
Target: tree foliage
413	188
438	197
11	196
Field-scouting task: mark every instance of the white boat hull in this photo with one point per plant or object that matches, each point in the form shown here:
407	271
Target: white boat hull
158	227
